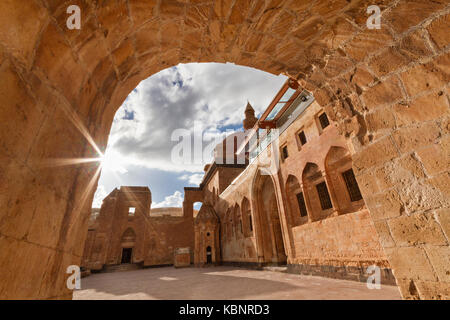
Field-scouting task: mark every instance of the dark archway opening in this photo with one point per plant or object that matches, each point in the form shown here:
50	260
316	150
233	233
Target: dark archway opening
126	255
208	255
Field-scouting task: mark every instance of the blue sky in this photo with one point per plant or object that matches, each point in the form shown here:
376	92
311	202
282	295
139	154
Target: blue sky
208	96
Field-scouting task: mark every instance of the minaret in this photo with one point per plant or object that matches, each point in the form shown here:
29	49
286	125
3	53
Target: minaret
250	119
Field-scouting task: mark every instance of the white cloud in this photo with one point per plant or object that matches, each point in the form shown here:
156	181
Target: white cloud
195	178
174	200
212	95
99	195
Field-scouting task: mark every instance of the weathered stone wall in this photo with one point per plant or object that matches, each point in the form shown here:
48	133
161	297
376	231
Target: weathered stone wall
157	236
168	234
347	240
59	87
206	230
342	237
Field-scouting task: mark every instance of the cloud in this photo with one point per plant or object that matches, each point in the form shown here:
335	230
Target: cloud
174	200
99	195
208	97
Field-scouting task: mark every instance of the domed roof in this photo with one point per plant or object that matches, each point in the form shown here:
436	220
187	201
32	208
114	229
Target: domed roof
206	214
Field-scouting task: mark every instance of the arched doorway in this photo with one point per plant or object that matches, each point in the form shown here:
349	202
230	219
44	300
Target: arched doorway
208	255
272	237
127	244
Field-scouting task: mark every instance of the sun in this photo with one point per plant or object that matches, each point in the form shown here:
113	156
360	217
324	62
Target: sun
112	161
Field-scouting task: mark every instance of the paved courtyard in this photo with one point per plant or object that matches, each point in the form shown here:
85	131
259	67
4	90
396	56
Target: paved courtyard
222	283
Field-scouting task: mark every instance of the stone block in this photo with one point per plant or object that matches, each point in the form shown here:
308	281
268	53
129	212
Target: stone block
18	110
402	17
435	104
417	136
385	205
383	93
443	217
380	119
440	259
114	21
142	11
367	42
19	35
388	61
410	263
64	71
434	158
430	290
438	31
375	154
182	258
417	229
384	234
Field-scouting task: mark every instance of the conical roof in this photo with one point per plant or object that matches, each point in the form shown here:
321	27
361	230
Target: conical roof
249	108
206	213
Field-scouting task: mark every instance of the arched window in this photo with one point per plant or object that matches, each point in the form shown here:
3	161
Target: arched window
237	221
247	220
229	223
296	202
338	167
316	192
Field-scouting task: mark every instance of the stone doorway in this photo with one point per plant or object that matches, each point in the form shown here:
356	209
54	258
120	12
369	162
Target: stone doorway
208	255
126	255
274	251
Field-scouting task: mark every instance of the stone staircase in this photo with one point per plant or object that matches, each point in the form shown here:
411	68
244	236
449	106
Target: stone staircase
122	267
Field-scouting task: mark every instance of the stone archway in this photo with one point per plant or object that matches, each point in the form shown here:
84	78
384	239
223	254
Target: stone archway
62	87
270	232
127	244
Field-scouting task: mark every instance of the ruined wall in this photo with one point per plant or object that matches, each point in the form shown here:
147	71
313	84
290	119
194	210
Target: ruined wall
169	233
157	235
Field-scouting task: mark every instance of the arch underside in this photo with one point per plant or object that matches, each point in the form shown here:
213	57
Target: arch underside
60	89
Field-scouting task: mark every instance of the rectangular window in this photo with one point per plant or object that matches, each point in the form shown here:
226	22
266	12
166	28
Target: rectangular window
352	185
302	205
131	211
324	120
250	222
285	152
324	196
302	137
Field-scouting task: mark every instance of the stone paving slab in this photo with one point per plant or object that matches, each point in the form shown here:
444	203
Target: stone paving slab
223	283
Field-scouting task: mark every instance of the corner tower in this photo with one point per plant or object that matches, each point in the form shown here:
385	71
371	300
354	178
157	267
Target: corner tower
250	119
